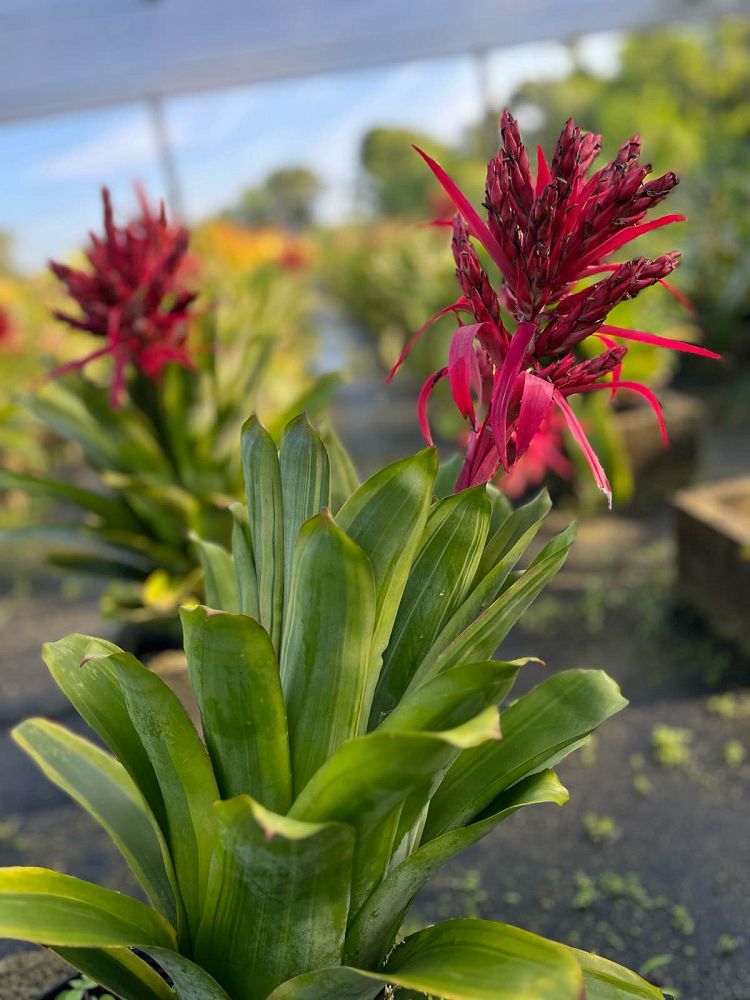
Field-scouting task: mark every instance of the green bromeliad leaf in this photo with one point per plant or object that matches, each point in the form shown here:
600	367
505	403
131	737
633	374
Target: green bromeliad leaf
148	730
447	475
386	517
277	900
108	443
501	506
92	687
48	908
373	932
190	980
326	665
537	730
219	580
244	563
111	509
102	786
484	960
476	630
119	970
183	771
344	478
456	960
439	579
305	485
453	697
260	466
235	677
368	779
508	542
604	980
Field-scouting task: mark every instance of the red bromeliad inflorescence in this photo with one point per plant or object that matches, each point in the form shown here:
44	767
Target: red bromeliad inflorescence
132	296
515	359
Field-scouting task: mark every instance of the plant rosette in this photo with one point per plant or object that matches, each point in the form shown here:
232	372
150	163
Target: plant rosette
159	443
357	734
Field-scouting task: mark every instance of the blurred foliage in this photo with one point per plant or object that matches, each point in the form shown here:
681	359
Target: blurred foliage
136	483
391	277
285	198
397	181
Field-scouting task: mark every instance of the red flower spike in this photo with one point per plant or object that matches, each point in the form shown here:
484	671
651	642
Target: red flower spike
546	235
132	296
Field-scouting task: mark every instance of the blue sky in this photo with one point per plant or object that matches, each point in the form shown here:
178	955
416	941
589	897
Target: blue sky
51	169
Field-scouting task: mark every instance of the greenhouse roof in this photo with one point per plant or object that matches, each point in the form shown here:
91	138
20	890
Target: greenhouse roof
65	55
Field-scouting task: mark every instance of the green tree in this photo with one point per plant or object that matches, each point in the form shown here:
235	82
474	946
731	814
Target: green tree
285	198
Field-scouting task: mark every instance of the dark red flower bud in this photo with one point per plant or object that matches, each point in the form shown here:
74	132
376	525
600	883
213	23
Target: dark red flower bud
133	295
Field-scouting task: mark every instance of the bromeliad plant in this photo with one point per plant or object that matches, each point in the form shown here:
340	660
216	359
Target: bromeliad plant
160	439
351	744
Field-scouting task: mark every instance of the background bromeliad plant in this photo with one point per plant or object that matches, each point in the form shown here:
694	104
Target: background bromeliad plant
352	744
159	439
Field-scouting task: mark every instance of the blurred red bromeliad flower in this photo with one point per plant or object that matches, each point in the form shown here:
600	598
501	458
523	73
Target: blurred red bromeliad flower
516	358
132	296
6	328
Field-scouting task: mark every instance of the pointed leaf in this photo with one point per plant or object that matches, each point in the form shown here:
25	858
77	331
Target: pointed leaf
485	629
305	486
102	786
477	227
507	543
447	476
579	434
190	980
502	508
91	685
366	781
386	518
456	960
277	901
235	677
260	467
343	475
46	907
118	970
244	564
372	934
109	509
453	697
219	580
537	729
604	980
326	661
484	960
440	577
183	772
